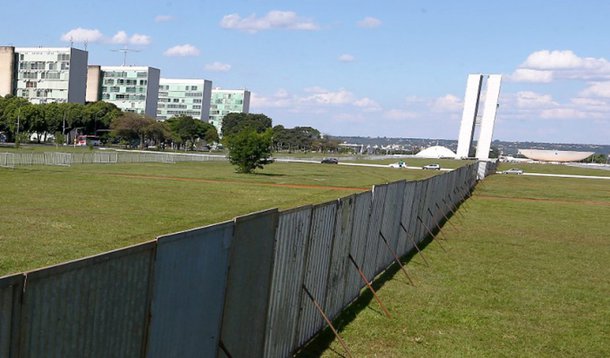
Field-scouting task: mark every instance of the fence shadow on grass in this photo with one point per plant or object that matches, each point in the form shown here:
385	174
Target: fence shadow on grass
323	340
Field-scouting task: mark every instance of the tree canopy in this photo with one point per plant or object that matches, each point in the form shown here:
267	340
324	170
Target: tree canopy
249	149
187	130
52	118
234	123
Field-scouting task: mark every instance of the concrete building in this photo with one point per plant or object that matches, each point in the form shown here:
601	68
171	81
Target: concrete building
227	101
44	74
469	116
184	97
131	88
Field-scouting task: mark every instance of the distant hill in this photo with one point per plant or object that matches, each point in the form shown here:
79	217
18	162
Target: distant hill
506	148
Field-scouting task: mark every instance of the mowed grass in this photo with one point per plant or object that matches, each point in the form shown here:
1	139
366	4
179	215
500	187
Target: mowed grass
526	274
552	168
53	214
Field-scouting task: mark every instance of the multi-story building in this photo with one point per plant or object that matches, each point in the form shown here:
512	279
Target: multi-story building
184	97
227	101
131	88
44	74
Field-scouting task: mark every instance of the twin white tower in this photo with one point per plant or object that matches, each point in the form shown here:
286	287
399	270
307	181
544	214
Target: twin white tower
471	108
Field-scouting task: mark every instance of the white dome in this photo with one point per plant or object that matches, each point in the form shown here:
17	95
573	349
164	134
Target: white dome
436	152
555	155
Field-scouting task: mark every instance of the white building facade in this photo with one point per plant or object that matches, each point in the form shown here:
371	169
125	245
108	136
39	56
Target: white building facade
188	97
44	74
227	101
131	88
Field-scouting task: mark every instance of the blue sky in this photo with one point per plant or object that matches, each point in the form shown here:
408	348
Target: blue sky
349	67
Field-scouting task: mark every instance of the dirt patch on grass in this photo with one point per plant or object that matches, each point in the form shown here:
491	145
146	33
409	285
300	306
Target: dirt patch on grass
559	201
198	180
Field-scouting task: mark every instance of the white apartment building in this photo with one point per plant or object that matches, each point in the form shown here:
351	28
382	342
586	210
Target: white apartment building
189	97
44	74
227	101
131	88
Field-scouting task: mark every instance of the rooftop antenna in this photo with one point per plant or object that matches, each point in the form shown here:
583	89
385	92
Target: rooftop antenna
71	42
86	43
124	50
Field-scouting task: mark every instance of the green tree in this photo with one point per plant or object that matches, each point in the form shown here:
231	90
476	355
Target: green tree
188	130
233	123
132	126
249	150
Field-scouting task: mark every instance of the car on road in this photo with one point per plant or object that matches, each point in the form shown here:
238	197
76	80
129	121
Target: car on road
431	167
400	164
330	161
513	171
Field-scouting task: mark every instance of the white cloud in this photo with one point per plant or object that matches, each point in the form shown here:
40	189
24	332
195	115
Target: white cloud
275	19
346	58
139	39
367	104
553	60
544	66
315	99
562	113
120	38
590	102
217	67
597	89
163	18
529	75
448	103
82	35
329	97
399	114
529	99
182	51
369	22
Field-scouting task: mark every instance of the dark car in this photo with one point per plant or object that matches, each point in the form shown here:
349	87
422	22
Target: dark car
330	161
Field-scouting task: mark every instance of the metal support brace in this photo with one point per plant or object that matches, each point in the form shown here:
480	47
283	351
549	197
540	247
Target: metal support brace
368	284
415	244
396	258
328	321
431	233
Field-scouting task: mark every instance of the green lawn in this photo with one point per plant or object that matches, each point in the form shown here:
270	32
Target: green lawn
526	275
53	214
554	169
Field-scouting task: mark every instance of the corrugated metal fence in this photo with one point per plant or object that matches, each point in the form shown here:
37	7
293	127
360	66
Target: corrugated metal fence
235	289
11	160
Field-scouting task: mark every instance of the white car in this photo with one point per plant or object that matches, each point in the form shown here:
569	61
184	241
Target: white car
513	171
432	167
398	165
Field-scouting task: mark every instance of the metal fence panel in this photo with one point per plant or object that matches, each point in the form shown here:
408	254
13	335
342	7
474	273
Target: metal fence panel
373	241
55	158
406	224
286	285
340	257
248	284
391	224
11	288
317	264
189	285
421	201
94	307
7	160
360	226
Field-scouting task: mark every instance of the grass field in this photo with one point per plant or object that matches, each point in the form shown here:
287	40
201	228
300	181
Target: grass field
53	214
525	275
